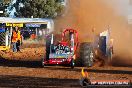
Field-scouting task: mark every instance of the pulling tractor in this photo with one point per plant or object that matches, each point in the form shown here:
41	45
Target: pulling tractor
62	53
65	51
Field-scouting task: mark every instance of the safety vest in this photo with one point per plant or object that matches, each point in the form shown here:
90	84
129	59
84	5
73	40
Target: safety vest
14	36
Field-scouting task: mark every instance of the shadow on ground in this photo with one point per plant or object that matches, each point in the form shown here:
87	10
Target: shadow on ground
36	82
110	71
94	70
37	64
20	63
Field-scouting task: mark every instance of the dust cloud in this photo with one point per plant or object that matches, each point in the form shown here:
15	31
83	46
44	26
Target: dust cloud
84	15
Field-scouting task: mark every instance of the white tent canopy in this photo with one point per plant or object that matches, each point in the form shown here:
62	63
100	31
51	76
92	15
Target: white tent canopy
49	22
24	20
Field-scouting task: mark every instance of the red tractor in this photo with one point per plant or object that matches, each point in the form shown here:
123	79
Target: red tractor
62	53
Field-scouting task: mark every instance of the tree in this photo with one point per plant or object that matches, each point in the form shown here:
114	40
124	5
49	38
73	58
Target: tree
3	5
38	8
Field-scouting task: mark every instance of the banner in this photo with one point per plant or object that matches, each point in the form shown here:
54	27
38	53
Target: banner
18	25
33	25
14	25
8	24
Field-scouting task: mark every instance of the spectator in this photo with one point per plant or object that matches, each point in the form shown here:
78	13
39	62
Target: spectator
19	38
14	40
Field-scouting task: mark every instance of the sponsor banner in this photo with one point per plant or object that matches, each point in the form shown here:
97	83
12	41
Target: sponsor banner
14	25
33	25
8	24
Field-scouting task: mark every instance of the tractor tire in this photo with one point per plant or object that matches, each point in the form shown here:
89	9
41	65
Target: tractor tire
86	54
72	63
48	46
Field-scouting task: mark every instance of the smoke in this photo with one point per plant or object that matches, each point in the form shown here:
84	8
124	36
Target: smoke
121	7
84	15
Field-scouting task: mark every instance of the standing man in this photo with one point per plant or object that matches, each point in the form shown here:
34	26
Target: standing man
14	40
19	38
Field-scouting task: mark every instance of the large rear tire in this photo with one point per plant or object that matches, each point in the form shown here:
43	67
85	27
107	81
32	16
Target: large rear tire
86	54
48	46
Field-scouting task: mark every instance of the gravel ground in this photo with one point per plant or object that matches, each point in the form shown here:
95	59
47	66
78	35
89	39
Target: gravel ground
23	69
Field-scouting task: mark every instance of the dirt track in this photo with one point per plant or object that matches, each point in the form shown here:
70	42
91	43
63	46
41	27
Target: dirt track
26	72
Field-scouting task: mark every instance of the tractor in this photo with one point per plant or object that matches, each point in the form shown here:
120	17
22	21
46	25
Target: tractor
62	53
65	51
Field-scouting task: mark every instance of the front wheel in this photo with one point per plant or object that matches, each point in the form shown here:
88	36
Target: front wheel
72	63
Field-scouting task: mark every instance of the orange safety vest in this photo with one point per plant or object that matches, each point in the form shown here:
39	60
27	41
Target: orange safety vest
14	36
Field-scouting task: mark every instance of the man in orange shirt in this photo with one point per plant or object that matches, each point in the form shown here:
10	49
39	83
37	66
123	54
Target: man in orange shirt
19	38
14	40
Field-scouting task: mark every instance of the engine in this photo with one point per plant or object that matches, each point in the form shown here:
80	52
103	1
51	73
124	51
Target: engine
61	49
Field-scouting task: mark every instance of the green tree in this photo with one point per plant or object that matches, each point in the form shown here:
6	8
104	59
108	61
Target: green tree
3	6
39	8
